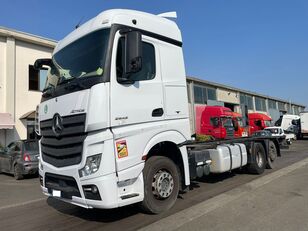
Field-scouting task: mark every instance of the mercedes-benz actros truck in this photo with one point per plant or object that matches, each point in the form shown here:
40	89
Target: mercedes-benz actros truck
114	121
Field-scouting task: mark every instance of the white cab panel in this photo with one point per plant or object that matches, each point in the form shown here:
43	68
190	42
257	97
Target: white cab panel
174	106
98	109
69	104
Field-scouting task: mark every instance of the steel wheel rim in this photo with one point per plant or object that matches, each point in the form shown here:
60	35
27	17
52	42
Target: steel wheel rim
162	184
259	159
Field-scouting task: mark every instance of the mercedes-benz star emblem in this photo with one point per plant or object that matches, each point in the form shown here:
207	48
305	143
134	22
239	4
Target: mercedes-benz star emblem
57	125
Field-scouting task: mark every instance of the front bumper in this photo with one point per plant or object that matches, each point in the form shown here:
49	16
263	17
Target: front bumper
111	194
69	186
108	198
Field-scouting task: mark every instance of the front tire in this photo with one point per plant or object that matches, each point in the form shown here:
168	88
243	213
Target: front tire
258	162
161	184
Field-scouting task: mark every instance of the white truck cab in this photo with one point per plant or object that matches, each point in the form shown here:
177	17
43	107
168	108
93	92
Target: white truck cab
101	127
114	120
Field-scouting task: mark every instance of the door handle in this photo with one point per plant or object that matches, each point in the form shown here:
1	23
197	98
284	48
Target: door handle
158	112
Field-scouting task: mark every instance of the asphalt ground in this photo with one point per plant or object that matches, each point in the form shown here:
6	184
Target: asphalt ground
23	207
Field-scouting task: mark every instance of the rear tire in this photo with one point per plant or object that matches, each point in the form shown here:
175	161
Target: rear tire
272	155
161	184
17	172
258	163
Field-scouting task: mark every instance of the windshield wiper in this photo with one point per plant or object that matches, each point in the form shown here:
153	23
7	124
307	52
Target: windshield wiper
76	83
49	91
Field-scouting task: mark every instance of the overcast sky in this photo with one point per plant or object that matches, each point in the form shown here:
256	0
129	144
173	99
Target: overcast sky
257	45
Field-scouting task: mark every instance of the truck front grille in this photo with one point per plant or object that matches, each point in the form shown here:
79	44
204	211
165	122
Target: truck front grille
66	149
230	132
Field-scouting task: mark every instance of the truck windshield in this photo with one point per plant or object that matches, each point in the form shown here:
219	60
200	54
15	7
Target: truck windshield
82	58
240	121
226	121
268	123
278	122
31	146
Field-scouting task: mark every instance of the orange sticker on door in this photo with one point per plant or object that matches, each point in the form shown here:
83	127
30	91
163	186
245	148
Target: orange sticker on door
122	148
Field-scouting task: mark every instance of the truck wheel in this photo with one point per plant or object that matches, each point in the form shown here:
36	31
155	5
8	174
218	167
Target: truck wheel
258	160
17	172
161	184
272	155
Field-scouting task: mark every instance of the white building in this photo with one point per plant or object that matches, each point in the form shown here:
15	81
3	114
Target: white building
20	84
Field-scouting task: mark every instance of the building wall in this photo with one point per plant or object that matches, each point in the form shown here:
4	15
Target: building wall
15	97
2	73
228	96
26	100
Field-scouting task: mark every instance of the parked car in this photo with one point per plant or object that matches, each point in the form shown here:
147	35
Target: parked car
279	133
20	158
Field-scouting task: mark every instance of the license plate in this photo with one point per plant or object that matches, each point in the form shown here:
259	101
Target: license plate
56	193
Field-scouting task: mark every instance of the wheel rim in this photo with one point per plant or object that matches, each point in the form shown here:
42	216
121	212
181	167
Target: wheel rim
162	185
259	159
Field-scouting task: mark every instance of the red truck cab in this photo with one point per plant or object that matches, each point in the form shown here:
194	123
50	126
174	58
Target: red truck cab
258	121
215	121
240	130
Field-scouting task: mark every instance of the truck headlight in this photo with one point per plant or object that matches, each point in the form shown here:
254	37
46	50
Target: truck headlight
91	166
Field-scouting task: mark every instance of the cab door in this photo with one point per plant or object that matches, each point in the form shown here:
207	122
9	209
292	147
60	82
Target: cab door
136	108
141	101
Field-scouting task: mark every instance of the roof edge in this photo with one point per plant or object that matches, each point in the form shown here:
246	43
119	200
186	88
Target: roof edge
241	90
27	37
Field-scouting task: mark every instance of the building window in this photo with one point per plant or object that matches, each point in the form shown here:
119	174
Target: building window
203	94
30	130
200	95
296	111
272	104
211	94
260	104
290	109
281	106
37	79
246	100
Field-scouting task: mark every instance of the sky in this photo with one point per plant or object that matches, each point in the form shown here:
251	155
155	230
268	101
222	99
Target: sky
256	45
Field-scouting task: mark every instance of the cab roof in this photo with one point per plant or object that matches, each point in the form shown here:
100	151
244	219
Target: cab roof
144	21
260	116
235	114
218	110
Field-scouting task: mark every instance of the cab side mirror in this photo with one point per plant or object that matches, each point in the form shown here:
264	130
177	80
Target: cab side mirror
295	122
133	52
39	63
235	125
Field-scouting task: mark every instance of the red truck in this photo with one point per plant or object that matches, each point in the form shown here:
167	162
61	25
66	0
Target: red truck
258	121
215	121
240	130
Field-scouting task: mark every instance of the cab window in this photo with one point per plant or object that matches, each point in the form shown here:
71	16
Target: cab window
148	69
